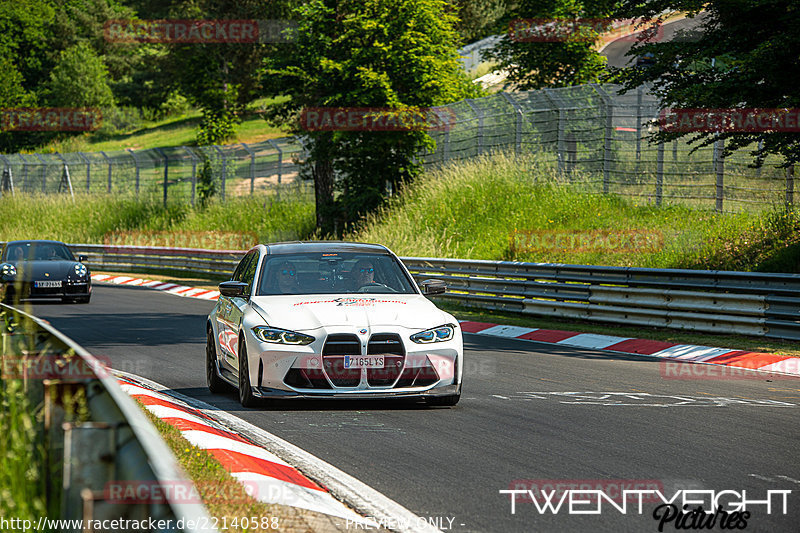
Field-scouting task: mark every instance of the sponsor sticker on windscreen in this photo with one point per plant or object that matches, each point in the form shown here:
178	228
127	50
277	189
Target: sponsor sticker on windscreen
351	361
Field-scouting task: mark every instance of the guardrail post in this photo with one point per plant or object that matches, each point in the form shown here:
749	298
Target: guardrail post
479	114
224	170
108	162
136	164
88	169
44	172
675	152
166	172
252	167
719	170
194	171
789	187
518	120
659	173
280	158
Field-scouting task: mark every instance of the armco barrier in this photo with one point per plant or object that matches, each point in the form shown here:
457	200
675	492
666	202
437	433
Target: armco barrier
93	433
700	300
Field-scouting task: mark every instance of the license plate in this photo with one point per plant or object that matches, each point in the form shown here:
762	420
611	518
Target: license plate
351	361
46	284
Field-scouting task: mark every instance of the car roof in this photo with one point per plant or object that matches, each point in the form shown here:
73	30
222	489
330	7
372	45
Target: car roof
34	241
295	247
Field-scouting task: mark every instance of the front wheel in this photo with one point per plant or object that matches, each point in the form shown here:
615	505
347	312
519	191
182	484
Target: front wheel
215	383
246	397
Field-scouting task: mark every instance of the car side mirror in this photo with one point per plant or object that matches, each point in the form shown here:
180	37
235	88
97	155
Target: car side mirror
233	289
433	286
82	258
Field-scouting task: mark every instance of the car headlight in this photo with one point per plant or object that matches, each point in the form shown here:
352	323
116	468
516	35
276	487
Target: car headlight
282	336
438	334
8	270
80	270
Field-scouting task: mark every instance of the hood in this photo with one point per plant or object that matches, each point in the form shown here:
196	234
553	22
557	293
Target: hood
36	270
300	313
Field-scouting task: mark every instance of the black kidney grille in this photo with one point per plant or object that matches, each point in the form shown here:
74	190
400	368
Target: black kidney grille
336	347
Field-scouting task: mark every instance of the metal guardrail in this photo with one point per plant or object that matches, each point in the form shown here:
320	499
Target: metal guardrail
699	300
112	442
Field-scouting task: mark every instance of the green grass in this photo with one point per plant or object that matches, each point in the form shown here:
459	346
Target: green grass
126	220
178	130
479	209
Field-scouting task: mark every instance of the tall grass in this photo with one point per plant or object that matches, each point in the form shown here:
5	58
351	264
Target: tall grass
473	209
105	218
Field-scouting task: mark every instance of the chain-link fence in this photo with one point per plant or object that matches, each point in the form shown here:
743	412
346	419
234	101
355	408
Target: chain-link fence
595	136
175	173
589	134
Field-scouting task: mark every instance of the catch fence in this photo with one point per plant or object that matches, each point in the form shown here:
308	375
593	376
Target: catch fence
589	135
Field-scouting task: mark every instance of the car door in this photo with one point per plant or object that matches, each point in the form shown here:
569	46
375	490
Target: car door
240	304
228	329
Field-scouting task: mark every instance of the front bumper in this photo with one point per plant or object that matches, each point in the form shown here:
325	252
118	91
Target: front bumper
318	370
68	289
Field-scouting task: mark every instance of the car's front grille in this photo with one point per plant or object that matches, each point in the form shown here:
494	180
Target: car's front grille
391	347
306	378
417	377
338	345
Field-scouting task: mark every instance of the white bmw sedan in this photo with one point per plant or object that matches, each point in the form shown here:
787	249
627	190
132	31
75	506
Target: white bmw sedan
331	320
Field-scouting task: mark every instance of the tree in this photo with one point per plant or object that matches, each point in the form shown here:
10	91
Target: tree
388	54
565	57
478	19
753	47
79	79
221	78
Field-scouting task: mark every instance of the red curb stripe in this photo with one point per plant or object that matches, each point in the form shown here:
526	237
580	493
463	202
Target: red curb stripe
741	358
199	294
128	281
185	289
640	346
475	327
146	399
236	463
548	335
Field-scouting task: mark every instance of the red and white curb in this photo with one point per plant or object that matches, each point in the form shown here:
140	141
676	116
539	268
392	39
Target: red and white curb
268	478
765	362
172	288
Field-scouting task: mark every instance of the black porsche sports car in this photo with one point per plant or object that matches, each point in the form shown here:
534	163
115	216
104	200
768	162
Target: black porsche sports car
43	269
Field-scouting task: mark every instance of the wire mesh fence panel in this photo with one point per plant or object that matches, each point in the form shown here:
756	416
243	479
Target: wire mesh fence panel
589	135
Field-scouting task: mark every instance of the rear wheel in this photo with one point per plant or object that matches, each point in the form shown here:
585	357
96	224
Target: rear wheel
215	383
246	397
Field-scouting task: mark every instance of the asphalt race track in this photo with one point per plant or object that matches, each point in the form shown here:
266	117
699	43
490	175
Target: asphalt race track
514	422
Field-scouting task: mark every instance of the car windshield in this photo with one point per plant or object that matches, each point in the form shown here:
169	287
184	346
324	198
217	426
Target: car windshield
333	273
38	252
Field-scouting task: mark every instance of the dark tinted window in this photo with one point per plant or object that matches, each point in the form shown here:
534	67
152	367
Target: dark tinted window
238	274
333	273
38	251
